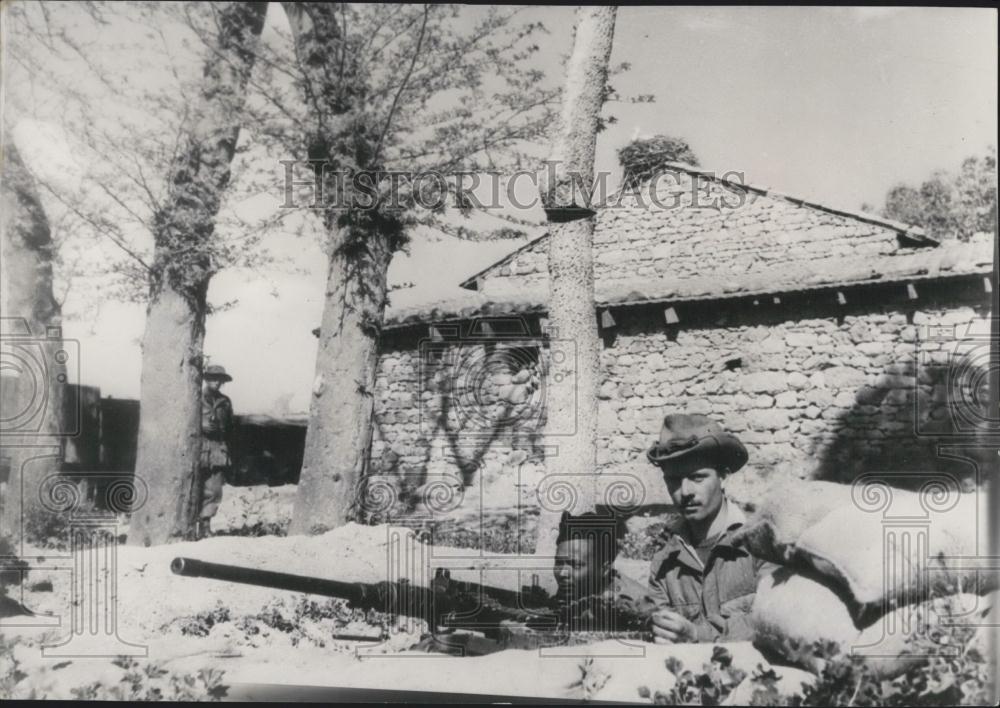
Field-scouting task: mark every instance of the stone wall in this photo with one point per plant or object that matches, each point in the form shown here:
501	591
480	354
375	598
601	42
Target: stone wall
817	397
813	388
459	414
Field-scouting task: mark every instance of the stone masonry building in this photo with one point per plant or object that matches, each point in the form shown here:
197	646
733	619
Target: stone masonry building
832	343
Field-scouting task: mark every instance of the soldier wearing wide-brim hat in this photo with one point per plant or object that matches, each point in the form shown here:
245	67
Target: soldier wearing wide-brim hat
703	584
216	431
215	372
688	437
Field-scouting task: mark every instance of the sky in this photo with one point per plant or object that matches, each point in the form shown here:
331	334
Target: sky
832	104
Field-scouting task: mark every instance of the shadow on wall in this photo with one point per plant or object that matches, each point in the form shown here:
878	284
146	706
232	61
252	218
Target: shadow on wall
922	404
829	391
478	413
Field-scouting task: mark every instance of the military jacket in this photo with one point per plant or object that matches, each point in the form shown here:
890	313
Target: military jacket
216	429
716	596
216	416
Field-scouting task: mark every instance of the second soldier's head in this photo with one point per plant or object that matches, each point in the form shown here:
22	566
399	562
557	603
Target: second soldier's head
586	549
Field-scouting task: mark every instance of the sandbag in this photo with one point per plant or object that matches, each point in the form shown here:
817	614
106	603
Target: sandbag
795	611
788	510
909	634
792	611
885	547
885	560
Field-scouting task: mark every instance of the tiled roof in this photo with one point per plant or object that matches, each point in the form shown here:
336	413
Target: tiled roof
765	220
663	245
643	253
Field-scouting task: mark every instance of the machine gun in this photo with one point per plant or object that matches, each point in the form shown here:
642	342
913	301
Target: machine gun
445	604
507	619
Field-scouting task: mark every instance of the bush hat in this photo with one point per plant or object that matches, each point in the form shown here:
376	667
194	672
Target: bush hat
683	436
216	373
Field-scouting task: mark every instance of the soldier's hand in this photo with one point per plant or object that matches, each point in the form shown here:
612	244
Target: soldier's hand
670	628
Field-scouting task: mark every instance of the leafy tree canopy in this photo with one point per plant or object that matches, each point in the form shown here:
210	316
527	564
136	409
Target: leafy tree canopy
949	206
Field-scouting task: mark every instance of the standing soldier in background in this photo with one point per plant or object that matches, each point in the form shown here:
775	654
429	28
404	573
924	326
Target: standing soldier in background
216	431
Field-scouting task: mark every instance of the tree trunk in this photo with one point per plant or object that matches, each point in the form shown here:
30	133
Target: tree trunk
170	418
572	319
170	396
340	413
360	246
31	393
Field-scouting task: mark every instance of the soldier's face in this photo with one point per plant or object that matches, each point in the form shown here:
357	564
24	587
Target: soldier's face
695	488
213	384
577	572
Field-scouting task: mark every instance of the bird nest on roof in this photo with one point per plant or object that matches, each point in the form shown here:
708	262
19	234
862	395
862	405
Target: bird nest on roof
643	158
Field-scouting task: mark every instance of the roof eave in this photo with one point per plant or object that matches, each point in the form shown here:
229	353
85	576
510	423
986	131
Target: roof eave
534	308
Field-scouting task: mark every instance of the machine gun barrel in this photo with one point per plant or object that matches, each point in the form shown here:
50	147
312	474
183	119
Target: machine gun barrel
362	595
446	600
